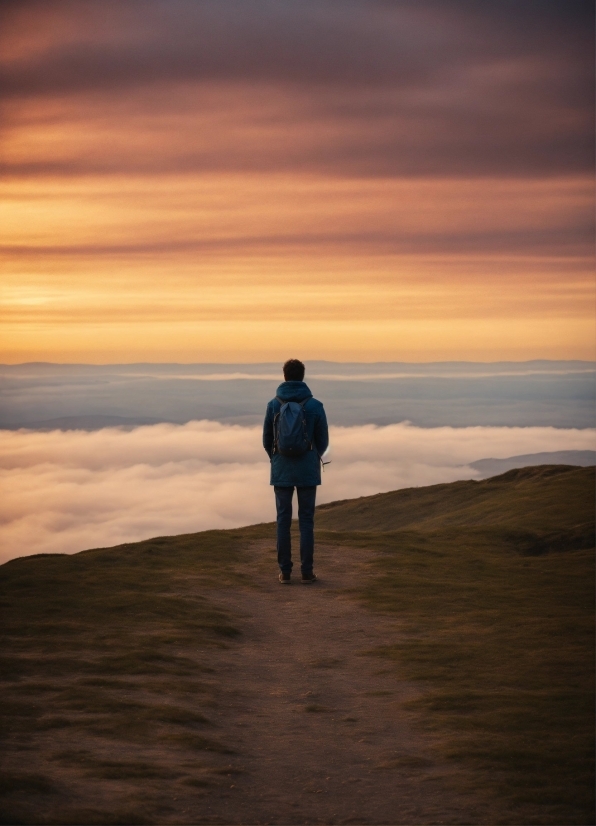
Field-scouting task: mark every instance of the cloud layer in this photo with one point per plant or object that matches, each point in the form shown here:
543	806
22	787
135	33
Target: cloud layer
67	491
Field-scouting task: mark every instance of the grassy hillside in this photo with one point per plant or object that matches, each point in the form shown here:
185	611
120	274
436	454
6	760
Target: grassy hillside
106	655
542	499
493	584
106	676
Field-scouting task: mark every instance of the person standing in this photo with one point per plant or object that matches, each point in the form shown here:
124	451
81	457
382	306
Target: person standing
295	436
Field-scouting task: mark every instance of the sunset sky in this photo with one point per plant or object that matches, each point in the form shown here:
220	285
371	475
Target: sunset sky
245	180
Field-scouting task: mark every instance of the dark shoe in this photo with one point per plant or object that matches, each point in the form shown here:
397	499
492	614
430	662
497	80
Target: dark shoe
285	579
308	578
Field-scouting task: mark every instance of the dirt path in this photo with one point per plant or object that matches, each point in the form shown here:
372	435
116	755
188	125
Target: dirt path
317	720
305	725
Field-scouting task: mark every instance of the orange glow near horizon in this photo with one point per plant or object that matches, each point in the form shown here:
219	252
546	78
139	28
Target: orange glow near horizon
224	268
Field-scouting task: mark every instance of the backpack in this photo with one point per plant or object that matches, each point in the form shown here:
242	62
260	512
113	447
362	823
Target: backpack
290	435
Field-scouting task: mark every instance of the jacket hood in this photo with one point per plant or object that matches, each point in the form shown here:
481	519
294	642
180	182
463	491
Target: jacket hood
293	391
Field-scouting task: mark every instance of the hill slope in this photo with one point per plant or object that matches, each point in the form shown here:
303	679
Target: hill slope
540	499
174	681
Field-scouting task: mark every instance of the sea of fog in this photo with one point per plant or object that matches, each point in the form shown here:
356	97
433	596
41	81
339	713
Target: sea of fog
93	456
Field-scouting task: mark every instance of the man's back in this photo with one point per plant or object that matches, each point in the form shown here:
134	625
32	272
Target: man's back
304	470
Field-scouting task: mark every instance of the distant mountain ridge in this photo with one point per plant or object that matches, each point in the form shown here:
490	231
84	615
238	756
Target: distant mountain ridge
493	467
86	422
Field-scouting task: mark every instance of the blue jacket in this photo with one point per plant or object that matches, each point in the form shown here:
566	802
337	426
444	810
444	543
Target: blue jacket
305	470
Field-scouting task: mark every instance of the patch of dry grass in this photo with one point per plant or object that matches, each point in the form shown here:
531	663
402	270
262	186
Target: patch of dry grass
502	645
107	653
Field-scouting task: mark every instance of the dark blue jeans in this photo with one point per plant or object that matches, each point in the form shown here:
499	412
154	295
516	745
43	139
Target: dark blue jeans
306	522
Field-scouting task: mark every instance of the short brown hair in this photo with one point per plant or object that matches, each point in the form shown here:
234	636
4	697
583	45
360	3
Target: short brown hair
294	370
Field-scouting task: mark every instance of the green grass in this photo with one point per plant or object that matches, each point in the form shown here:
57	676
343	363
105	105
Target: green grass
499	636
